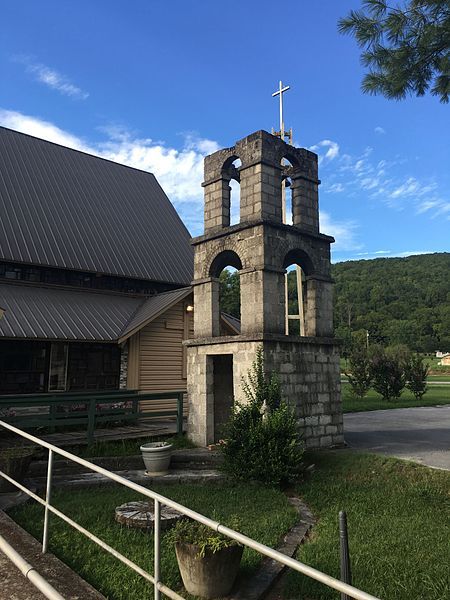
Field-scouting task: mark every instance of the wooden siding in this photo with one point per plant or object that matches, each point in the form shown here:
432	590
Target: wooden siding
162	358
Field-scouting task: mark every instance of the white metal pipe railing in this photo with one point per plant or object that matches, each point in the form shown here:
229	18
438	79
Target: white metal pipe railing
29	571
162	500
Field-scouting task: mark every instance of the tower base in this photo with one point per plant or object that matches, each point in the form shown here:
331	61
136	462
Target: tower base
309	373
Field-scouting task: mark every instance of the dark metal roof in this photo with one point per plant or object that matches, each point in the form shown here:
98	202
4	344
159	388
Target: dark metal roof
152	308
39	313
64	208
231	321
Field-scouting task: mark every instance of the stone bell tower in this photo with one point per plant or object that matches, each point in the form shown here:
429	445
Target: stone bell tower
261	247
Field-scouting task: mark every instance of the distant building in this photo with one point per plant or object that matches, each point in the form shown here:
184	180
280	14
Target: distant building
445	360
95	268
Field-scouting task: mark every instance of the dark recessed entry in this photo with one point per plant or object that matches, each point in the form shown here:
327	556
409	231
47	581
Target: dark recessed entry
223	392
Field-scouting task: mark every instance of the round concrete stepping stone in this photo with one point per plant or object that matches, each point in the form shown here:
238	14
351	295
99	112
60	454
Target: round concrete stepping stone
140	515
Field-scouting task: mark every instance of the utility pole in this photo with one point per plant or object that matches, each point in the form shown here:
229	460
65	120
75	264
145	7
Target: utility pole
286	136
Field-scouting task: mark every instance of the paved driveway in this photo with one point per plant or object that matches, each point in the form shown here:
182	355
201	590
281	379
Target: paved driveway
418	434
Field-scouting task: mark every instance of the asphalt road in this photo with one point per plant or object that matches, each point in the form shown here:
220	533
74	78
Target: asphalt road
418	434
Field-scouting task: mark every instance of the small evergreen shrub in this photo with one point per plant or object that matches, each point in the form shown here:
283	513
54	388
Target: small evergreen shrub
416	372
263	447
388	374
359	370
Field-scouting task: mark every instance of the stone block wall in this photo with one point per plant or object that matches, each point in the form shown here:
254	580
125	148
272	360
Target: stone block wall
309	376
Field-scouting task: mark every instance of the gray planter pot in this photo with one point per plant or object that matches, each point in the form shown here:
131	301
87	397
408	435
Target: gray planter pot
156	457
210	576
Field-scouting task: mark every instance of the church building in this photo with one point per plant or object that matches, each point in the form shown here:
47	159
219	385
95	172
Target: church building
95	273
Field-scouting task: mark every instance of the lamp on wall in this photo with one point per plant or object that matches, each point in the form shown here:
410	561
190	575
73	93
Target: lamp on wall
189	308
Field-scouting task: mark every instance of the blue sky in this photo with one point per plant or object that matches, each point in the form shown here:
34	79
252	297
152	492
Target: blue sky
159	84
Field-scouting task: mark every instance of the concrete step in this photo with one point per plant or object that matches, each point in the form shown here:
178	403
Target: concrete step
191	459
175	476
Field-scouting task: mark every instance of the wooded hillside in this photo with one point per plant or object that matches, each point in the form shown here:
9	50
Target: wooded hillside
398	300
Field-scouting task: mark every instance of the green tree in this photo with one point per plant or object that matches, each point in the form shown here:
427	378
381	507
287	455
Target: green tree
359	369
230	293
416	371
406	48
388	375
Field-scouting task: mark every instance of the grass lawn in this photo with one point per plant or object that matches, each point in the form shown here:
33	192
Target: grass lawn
399	524
432	378
436	394
265	515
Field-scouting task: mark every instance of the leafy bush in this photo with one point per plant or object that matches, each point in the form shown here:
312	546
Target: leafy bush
261	438
205	538
416	373
359	370
388	373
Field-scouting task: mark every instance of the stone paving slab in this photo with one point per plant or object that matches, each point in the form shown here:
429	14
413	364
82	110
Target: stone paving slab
15	586
80	480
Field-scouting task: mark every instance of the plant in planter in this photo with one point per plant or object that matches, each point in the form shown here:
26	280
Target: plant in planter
156	456
15	456
208	561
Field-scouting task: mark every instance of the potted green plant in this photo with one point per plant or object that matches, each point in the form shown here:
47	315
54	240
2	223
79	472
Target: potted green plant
208	561
156	456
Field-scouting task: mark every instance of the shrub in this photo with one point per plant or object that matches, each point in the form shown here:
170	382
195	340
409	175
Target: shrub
416	372
261	447
388	375
360	374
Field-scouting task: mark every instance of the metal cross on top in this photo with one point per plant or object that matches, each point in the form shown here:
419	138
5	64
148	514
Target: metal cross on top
280	93
282	134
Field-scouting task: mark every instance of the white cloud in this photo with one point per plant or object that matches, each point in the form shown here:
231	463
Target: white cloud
331	153
335	188
411	187
435	207
380	130
344	232
381	180
42	129
179	171
51	78
383	253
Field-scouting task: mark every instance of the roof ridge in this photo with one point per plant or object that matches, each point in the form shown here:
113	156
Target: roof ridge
34	137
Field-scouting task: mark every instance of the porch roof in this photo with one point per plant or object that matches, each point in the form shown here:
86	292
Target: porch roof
39	313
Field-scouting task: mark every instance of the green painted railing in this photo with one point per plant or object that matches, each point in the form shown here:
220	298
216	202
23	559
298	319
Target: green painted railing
86	409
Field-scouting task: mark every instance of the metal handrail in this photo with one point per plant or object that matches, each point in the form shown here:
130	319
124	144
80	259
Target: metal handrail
158	500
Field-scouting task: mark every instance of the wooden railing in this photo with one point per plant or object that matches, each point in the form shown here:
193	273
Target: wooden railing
86	409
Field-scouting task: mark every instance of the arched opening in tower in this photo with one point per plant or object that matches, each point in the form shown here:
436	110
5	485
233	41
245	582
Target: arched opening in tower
235	193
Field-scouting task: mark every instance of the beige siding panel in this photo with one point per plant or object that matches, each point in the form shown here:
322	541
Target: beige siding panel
161	356
133	362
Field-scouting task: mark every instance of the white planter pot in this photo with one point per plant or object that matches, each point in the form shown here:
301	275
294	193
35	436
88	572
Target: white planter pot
157	457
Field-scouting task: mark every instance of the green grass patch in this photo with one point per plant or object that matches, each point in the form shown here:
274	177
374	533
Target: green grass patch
436	394
432	378
398	518
265	515
127	447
